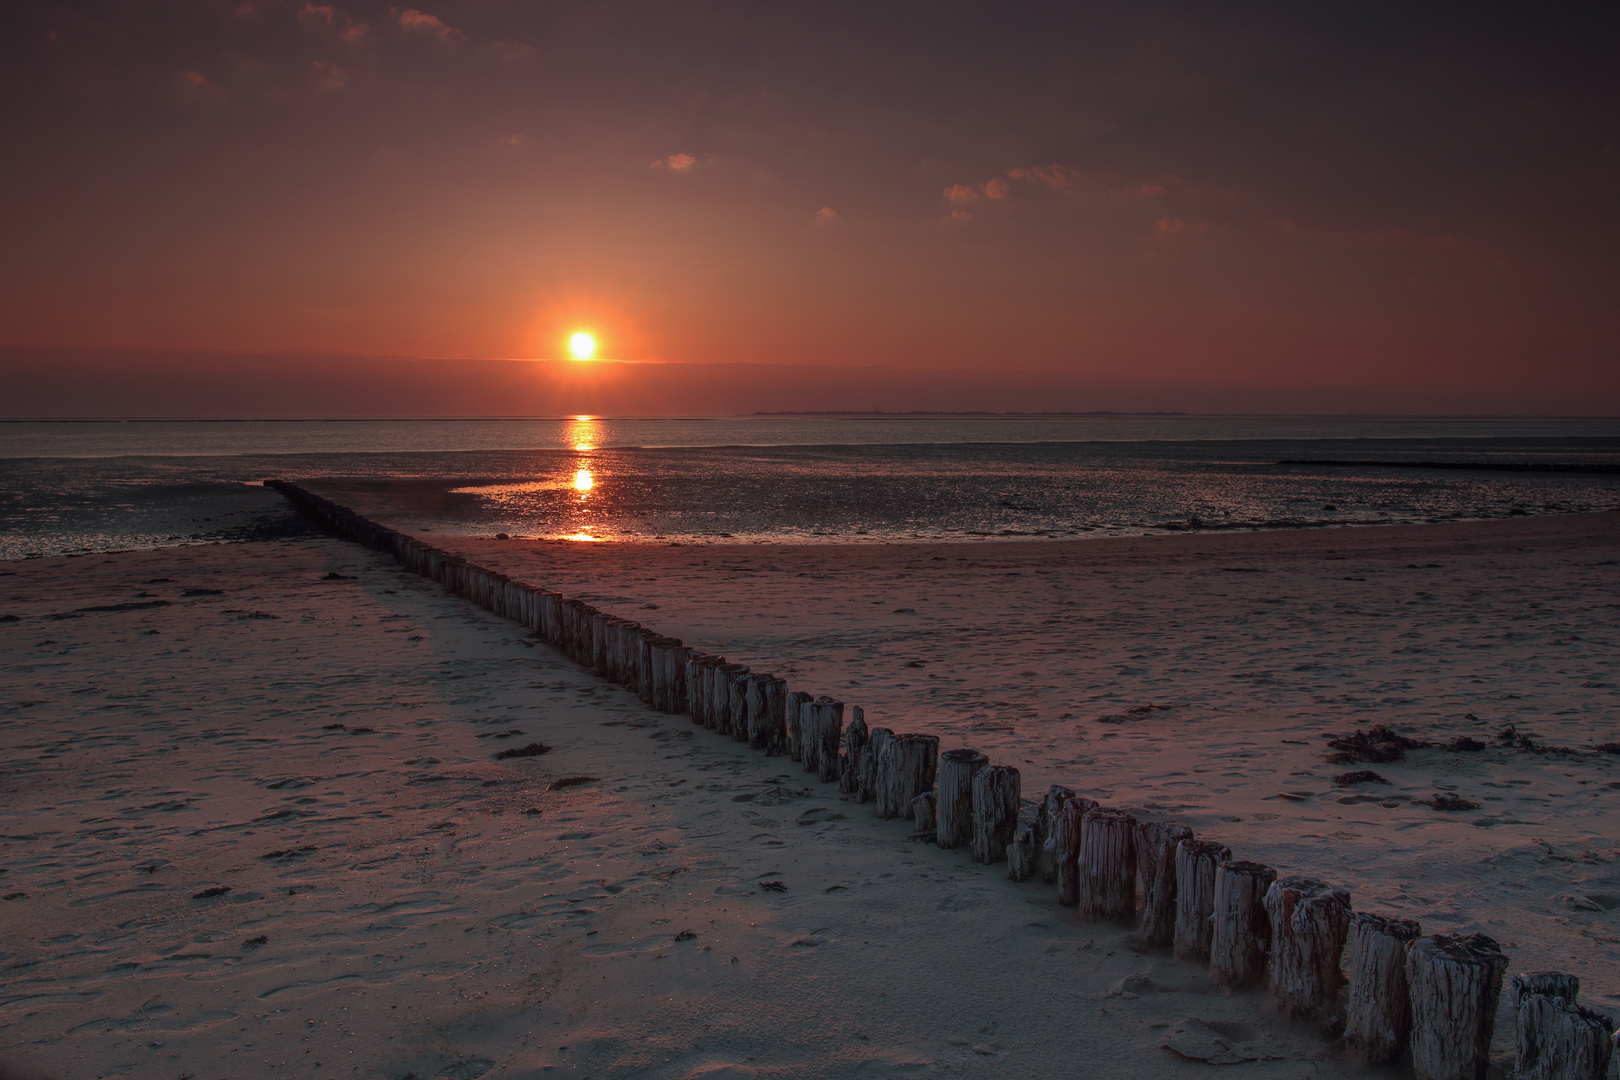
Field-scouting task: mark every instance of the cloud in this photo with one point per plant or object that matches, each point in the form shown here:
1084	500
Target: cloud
826	216
996	189
421	22
197	84
960	194
327	78
1169	228
961	215
676	163
325	17
1054	177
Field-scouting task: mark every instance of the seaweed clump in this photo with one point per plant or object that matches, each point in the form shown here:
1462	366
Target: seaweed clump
1377	744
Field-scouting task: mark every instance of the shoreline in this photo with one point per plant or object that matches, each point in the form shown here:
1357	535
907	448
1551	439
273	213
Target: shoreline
267	529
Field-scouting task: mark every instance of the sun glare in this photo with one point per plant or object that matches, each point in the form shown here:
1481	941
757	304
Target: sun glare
582	480
582	345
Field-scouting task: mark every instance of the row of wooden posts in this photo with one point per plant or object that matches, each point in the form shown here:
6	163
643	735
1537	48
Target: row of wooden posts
1434	996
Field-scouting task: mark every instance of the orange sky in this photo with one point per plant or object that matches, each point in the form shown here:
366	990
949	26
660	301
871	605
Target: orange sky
1168	208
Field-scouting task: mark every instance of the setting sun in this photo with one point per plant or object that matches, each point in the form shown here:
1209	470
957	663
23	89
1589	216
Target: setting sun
582	345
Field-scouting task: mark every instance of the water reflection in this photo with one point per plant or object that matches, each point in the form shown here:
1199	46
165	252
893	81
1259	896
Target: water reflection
584	433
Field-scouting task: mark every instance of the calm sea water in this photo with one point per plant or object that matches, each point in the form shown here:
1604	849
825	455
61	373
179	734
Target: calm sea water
97	486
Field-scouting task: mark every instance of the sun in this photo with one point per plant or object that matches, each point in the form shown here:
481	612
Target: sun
582	345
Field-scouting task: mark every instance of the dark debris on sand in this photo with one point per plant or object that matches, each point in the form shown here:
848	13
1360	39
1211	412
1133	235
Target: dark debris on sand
534	749
1360	776
1377	744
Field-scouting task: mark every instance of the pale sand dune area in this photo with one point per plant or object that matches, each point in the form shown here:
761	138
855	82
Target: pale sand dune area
694	909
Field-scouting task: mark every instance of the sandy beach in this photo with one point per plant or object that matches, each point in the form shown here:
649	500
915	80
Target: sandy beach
254	821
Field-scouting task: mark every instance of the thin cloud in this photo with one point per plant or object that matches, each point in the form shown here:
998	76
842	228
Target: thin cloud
1174	228
676	163
961	194
327	78
199	85
420	22
826	216
996	189
1053	177
317	17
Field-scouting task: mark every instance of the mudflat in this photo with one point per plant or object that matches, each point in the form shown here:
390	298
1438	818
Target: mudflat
256	821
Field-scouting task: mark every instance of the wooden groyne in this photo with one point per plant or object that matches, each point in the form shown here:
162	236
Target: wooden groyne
1374	978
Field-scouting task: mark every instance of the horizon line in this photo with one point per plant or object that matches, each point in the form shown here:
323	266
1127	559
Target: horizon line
809	413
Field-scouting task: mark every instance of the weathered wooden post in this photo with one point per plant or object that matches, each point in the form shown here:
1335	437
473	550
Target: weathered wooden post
810	735
610	650
675	676
1551	983
632	641
599	644
1559	1040
1023	854
646	664
1309	920
720	701
717	718
1046	816
994	811
670	663
877	741
1241	932
796	701
1107	866
696	685
738	699
923	812
1156	878
1454	981
656	647
906	771
550	616
1196	863
830	730
1378	1016
855	737
1066	835
776	693
759	715
957	768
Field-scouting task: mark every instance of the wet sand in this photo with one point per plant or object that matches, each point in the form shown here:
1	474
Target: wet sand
428	909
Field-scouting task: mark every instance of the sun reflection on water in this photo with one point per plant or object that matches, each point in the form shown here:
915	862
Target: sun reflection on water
583	481
584	433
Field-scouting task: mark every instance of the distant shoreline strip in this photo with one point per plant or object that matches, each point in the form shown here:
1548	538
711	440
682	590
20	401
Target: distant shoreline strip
1578	467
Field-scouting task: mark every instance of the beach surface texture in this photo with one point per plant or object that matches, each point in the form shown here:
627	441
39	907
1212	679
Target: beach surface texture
257	822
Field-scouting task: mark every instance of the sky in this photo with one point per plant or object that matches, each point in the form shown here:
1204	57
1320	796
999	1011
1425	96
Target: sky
393	210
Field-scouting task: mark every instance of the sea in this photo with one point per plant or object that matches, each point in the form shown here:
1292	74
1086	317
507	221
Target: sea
81	486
